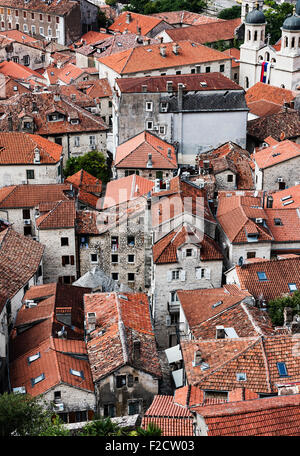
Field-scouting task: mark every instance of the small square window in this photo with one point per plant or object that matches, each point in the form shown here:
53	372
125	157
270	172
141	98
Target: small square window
94	258
251	254
277	221
149	125
149	106
262	276
293	287
77	373
222	68
133	407
115	258
130	241
175	275
178	72
230	178
207	69
131	277
32	358
130	258
189	252
27	231
57	395
64	241
30	174
193	70
282	369
115	276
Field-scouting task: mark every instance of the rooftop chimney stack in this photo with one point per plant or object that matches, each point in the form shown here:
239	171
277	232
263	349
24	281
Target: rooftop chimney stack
176	48
220	332
169	86
128	18
169	153
163	51
180	95
149	162
197	358
269	202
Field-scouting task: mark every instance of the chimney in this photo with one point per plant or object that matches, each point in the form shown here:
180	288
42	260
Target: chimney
144	88
138	30
197	358
180	96
269	202
220	332
167	184
176	48
149	162
91	319
128	18
162	50
287	316
169	153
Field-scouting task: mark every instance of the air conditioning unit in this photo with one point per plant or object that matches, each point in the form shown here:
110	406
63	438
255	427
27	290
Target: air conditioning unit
59	407
258	220
27	222
155	127
280	179
29	304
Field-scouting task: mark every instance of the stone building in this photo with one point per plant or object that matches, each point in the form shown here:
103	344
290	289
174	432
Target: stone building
140	24
276	165
122	352
146	155
170	107
60	20
183	259
55	228
56	118
29	158
22	48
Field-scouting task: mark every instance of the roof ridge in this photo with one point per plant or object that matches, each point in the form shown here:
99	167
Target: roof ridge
266	364
51	211
122	332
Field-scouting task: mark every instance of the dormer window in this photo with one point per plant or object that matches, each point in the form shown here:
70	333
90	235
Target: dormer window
189	252
54	117
74	121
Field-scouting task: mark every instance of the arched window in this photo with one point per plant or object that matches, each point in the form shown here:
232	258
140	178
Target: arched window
255	35
247	7
260	58
286	41
282	86
267	56
293	42
246	82
249	35
273	60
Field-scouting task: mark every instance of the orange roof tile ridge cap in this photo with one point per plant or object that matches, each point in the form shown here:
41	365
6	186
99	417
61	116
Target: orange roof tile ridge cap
257	339
9	194
51	211
252	321
129	56
121	329
266	363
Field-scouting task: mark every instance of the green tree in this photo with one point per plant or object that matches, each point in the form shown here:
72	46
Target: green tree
276	307
101	427
152	430
275	16
93	163
230	13
21	414
157	6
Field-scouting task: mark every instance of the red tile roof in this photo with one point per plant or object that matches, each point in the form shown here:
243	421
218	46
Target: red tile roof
134	153
174	420
192	82
146	23
234	53
278	153
206	33
19	72
85	181
279	274
266	92
19	148
18	196
124	318
62	215
145	58
54	365
165	250
185	18
289	195
125	189
263	108
282	125
20	258
273	416
57	7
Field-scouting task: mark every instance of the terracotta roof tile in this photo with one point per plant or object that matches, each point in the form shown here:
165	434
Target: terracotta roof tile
57	7
134	153
17	196
125	189
137	59
278	153
146	23
62	215
85	181
266	92
282	125
206	33
290	195
185	18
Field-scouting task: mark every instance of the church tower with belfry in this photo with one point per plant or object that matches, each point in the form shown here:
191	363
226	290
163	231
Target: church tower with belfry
277	65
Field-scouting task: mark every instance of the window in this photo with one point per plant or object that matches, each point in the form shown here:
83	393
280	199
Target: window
41	17
120	381
246	82
77	373
58	141
115	276
173	296
133	407
178	72
162	130
149	106
26	214
41	30
57	395
76	141
207	69
17	13
149	125
193	71
30	174
109	410
24	14
25	28
175	275
38	379
57	20
277	221
262	276
33	30
66	259
49	18
222	68
241	377
282	370
189	252
293	287
92	140
115	258
130	258
64	241
130	381
251	254
114	243
94	258
32	15
32	358
222	395
130	241
131	277
27	230
230	178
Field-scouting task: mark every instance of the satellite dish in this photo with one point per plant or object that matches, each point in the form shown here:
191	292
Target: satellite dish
241	261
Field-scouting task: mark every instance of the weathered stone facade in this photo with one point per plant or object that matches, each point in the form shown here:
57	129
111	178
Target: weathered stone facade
282	175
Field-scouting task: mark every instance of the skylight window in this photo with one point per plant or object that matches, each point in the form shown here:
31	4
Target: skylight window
282	370
241	377
217	304
286	198
262	276
293	287
38	379
277	221
287	202
32	358
77	373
